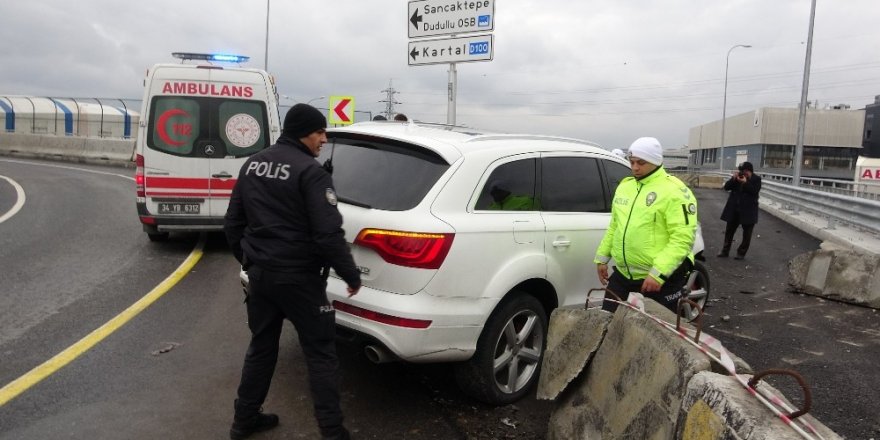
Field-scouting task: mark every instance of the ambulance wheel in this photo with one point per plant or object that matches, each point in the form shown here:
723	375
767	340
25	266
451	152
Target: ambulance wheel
157	236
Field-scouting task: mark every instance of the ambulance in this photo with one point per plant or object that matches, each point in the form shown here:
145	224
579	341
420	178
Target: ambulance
200	122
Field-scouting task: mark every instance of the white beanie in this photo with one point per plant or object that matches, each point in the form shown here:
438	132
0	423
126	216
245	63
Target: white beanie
647	149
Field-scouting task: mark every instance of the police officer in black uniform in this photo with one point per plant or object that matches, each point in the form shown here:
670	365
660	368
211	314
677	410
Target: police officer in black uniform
285	229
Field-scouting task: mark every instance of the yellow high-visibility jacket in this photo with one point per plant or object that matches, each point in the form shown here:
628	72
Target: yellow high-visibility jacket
653	227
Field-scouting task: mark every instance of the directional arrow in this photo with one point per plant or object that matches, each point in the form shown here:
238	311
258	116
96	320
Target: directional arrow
414	53
415	19
340	109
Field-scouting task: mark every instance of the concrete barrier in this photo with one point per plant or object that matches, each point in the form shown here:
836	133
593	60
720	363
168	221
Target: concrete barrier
838	274
645	382
574	335
69	148
718	407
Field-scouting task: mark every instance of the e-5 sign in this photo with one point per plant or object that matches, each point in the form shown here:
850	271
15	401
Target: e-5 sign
451	50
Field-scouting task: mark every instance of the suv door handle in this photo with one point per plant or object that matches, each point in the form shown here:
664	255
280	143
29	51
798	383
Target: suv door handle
222	175
561	243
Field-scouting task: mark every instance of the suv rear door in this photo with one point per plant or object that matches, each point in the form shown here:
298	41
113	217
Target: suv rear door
576	196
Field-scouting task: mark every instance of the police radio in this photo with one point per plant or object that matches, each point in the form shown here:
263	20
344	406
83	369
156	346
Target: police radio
328	164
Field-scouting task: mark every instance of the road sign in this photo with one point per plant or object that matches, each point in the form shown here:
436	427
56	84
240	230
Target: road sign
445	17
341	111
451	50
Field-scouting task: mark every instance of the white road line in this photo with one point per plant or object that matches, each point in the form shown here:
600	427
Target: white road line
854	344
737	334
85	170
784	309
20	191
19	202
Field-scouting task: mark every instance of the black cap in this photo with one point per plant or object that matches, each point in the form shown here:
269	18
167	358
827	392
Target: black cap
303	120
746	166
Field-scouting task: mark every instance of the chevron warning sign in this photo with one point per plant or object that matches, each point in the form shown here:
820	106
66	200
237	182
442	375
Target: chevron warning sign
341	111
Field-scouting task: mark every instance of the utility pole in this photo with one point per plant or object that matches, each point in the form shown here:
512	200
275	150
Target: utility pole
802	115
389	100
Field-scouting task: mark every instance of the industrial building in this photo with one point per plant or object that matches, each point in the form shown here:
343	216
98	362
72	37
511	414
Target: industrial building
767	137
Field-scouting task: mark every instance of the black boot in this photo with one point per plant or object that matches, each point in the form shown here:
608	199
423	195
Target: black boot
725	251
340	435
243	427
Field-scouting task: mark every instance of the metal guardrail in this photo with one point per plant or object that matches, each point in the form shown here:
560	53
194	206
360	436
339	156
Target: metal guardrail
857	209
863	214
864	190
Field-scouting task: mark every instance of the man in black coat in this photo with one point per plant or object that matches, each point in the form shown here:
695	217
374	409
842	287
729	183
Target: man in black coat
284	227
741	208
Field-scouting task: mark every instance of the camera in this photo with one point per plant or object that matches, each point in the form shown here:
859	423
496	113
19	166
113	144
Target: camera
739	174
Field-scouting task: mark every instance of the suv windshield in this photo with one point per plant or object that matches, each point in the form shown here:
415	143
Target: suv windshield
380	173
183	126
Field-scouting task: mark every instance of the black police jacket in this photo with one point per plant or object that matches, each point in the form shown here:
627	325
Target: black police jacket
283	217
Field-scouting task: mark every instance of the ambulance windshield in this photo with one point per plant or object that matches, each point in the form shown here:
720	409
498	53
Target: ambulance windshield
194	126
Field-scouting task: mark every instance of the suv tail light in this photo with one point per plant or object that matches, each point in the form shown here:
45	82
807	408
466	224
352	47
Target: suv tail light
139	178
411	249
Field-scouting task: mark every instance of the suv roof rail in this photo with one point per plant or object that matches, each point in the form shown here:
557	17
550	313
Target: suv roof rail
495	137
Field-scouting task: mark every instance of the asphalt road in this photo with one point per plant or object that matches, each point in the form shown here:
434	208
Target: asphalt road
74	257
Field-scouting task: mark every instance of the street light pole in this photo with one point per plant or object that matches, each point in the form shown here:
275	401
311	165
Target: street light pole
266	56
724	107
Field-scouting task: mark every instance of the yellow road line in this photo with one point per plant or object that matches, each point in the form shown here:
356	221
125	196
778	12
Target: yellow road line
46	369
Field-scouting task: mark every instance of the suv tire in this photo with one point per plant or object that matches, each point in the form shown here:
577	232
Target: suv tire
514	338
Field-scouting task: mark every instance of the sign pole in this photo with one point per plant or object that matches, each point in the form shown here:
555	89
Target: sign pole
450	106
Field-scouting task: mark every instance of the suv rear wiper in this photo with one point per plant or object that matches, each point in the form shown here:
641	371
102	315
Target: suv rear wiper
353	202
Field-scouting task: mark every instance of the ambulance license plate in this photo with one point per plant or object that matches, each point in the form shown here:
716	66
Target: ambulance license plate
179	208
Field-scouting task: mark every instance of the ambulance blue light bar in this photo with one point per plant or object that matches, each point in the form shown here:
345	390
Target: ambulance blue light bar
227	58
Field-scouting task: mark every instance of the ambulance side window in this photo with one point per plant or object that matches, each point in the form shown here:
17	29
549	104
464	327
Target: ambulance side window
174	125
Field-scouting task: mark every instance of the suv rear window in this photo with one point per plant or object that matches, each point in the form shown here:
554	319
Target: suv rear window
184	126
380	173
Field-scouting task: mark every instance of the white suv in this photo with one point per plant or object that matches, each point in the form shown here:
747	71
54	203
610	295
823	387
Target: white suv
466	241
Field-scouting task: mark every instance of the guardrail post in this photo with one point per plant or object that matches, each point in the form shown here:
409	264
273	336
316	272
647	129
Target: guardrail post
830	226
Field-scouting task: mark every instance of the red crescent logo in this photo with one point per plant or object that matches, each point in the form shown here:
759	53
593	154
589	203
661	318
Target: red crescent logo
162	123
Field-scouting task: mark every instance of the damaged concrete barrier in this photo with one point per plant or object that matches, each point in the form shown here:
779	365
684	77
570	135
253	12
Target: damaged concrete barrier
839	274
572	338
718	407
634	385
646	382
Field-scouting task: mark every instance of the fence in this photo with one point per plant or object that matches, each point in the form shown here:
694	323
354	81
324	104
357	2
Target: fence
88	117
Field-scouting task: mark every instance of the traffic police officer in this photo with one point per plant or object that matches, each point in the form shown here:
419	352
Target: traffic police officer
284	227
652	231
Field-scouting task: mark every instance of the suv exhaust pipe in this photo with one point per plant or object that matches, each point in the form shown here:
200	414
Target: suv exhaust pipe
377	354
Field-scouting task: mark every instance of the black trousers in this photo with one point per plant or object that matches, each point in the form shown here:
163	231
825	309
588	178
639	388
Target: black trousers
668	295
729	232
302	299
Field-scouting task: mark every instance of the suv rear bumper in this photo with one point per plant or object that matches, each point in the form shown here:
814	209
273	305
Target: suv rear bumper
452	336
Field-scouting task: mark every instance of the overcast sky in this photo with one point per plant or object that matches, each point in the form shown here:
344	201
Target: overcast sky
602	70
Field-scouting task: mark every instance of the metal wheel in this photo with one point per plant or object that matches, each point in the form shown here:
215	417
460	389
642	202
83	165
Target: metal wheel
507	362
696	290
